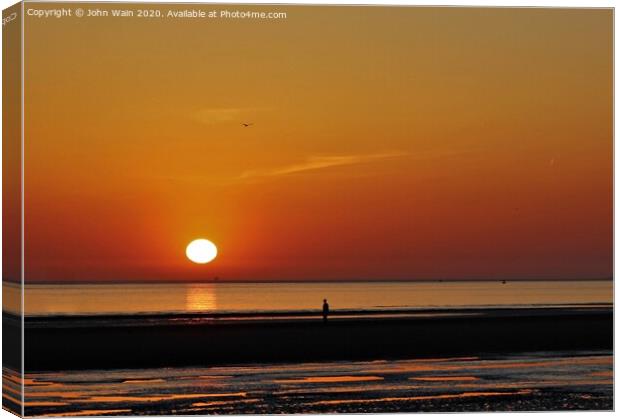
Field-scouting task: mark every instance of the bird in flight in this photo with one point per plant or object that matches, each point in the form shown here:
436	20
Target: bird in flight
247	125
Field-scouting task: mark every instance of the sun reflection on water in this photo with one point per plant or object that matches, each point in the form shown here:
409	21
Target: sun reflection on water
200	298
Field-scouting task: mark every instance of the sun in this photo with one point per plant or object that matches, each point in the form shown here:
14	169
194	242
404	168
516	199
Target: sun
201	251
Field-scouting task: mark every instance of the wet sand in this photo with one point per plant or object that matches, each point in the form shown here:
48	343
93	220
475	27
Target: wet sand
524	381
103	342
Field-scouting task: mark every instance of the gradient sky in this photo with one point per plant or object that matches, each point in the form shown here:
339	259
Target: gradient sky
389	143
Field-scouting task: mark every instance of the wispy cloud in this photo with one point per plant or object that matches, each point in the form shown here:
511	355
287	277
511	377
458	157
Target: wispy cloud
212	116
314	163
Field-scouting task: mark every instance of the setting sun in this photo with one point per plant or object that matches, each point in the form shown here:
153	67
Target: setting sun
201	251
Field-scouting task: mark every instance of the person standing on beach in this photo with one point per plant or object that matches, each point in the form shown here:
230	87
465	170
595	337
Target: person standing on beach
325	310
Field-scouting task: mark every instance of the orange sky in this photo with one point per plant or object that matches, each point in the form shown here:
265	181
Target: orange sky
389	143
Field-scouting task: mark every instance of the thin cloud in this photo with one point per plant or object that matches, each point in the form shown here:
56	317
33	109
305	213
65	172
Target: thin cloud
314	163
213	116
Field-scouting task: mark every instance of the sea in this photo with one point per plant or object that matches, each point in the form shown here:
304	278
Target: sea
150	298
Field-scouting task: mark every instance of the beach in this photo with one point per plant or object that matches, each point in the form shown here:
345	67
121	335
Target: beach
96	342
531	381
203	349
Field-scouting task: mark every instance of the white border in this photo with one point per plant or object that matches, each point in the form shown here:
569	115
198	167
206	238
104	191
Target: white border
478	3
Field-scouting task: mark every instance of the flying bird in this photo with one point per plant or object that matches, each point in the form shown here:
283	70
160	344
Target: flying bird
247	125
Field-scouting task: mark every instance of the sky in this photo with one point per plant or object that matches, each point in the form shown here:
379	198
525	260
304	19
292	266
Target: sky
388	143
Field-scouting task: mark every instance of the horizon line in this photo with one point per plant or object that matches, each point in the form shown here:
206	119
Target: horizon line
292	281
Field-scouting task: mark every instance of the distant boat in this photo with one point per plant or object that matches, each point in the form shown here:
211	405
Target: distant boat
503	282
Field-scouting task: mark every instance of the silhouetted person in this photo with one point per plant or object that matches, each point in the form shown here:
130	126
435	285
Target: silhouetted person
325	310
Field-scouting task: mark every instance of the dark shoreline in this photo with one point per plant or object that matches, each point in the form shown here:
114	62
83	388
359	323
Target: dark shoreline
309	314
102	342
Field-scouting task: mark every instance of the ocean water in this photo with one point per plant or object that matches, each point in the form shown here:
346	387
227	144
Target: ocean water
531	381
47	299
